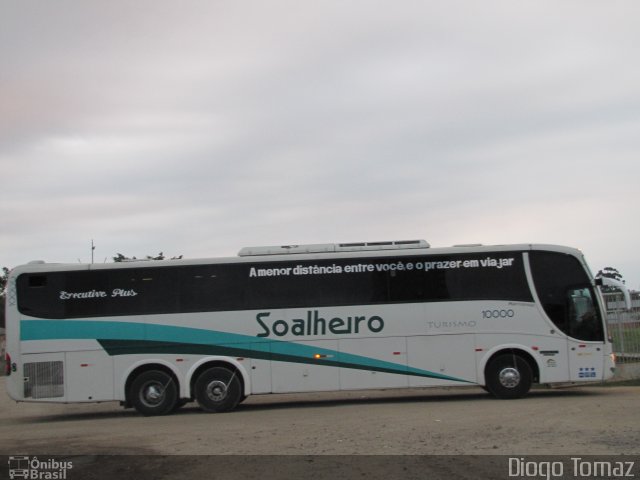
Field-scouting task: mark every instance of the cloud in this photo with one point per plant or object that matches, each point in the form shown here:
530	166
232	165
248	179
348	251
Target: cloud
202	127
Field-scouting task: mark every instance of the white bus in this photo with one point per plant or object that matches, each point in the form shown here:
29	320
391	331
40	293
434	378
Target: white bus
155	335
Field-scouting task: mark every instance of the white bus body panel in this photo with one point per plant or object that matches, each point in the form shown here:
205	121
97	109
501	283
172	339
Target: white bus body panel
389	349
301	377
447	354
92	373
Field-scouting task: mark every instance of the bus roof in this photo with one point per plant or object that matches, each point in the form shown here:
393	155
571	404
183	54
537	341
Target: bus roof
305	252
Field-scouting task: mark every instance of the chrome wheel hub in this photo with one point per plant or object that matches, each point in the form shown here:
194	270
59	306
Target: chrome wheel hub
217	390
152	394
509	377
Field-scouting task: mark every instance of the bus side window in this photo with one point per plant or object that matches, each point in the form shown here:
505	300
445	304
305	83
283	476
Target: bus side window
584	321
37	281
38	295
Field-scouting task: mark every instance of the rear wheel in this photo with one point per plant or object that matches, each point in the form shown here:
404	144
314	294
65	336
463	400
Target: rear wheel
154	392
508	376
218	390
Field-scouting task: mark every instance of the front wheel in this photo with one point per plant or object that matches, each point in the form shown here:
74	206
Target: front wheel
154	392
218	390
508	376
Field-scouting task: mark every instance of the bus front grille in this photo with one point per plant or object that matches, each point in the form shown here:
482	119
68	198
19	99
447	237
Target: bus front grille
43	380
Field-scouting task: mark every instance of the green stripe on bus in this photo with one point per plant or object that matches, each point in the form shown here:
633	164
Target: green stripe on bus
123	338
129	347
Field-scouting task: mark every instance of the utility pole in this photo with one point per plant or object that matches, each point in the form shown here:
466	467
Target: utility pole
93	247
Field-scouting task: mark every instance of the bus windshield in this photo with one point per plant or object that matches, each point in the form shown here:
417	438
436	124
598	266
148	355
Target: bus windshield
566	295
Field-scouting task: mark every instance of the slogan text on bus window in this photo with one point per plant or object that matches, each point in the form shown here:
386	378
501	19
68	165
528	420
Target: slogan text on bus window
426	266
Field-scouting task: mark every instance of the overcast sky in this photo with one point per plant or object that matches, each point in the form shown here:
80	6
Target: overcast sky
200	127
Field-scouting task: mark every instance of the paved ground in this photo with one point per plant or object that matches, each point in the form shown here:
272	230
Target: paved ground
582	421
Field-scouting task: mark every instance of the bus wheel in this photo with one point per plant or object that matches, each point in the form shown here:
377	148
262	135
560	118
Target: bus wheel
508	376
154	392
218	390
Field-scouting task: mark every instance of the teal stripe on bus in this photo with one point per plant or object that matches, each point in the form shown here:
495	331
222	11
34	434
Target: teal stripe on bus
133	337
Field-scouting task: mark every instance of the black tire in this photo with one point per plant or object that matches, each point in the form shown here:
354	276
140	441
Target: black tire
218	390
508	376
154	392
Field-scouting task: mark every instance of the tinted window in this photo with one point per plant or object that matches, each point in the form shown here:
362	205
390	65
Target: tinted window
210	287
584	320
270	285
565	291
380	280
314	284
37	295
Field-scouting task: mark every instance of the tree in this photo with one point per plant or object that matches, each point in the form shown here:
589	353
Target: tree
3	285
122	258
3	280
610	272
